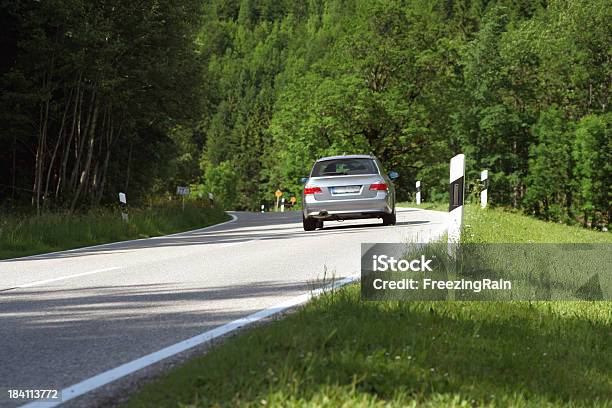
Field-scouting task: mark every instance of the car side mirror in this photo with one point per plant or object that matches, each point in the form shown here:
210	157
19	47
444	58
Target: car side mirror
303	180
393	175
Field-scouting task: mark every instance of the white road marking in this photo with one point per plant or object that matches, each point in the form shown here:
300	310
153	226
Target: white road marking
241	242
234	218
76	275
123	370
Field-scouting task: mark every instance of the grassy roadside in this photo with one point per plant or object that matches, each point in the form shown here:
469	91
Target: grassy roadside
340	351
22	236
498	225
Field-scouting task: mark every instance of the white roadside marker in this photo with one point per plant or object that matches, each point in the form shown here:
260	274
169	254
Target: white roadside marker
123	370
455	209
123	205
484	181
418	192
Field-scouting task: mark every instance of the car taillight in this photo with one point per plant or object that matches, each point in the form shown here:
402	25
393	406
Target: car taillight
312	190
379	187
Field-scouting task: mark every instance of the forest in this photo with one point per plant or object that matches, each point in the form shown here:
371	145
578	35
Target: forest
239	97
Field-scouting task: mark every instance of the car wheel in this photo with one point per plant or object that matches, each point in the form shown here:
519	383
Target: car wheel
309	224
389	219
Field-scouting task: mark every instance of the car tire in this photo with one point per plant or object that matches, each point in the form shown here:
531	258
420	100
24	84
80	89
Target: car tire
309	224
389	219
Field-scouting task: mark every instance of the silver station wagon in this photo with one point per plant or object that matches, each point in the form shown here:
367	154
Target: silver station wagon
348	187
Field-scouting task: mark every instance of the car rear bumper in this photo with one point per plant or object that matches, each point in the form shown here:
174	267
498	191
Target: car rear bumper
349	208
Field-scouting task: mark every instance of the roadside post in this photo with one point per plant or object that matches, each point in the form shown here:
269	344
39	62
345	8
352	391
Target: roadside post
262	208
418	192
283	204
455	213
123	205
457	190
278	195
182	191
211	197
484	182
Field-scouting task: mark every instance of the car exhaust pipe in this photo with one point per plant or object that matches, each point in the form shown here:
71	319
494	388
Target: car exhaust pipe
320	215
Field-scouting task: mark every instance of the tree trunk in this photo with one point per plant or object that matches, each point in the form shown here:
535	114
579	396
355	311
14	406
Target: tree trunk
80	142
90	148
127	176
76	113
109	141
42	141
60	137
95	180
14	172
40	153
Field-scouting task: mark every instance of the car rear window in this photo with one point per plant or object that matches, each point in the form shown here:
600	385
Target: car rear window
343	167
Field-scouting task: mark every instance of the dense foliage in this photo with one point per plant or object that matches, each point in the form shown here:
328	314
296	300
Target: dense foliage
91	91
242	96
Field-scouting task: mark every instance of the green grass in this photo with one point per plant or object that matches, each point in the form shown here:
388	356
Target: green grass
339	351
22	235
497	225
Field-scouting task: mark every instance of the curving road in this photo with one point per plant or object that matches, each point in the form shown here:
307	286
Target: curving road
68	316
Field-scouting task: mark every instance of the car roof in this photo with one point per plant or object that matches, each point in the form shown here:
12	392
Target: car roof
347	156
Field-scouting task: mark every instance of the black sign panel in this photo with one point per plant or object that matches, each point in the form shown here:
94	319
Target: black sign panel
456	194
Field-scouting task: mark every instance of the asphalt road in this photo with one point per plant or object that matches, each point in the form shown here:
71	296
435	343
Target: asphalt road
67	316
